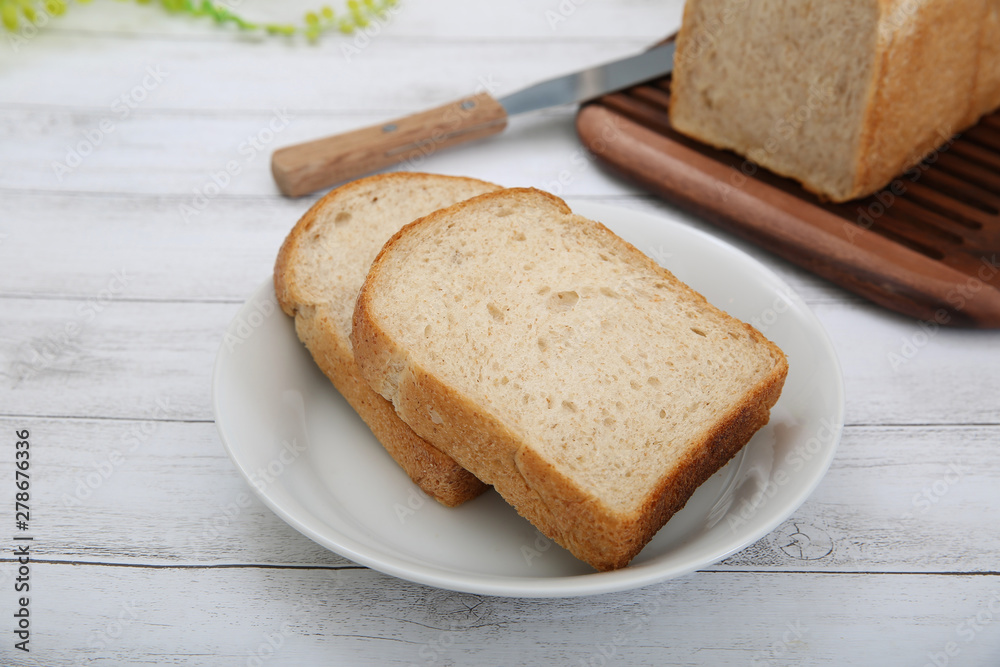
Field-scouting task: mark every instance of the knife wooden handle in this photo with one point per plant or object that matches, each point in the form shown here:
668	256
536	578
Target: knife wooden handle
307	167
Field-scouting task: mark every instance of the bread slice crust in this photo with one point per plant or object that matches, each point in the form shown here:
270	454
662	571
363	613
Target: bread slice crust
433	471
493	448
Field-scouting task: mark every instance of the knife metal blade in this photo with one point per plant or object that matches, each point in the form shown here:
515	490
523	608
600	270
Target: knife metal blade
593	82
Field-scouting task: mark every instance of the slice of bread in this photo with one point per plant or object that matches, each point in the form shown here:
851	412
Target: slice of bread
554	360
317	276
842	96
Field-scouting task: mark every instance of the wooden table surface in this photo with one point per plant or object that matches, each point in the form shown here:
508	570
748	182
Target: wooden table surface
120	270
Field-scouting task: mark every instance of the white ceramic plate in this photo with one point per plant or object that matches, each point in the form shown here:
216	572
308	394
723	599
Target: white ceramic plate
313	461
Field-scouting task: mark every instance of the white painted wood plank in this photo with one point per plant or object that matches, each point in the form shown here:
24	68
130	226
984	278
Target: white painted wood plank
213	75
65	150
441	19
897	370
911	499
137	616
166	257
147	151
223	254
149	491
110	357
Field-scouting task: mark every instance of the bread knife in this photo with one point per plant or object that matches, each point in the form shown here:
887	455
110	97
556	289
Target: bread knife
310	166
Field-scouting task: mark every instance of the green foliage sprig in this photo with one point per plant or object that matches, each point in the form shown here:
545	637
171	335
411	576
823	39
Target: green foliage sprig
357	15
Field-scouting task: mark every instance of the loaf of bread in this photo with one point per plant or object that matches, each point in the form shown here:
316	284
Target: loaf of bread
317	276
842	95
558	363
987	94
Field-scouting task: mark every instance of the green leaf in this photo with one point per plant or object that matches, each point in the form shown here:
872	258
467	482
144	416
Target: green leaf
9	15
359	14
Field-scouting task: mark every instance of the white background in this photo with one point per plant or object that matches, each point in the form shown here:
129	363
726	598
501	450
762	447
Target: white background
169	560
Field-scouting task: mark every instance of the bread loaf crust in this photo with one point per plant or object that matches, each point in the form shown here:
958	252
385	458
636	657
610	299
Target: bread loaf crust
436	473
987	92
924	86
480	441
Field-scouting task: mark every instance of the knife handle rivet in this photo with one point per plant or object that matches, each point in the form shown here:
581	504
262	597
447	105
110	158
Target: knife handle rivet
391	127
468	104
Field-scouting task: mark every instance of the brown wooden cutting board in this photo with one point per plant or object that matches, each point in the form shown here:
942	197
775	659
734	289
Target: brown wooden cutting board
927	246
